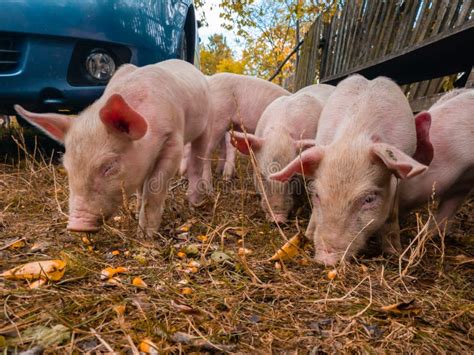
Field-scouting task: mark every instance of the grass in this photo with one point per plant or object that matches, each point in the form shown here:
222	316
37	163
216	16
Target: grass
244	304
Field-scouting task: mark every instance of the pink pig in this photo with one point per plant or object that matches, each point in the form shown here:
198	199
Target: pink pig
366	137
287	126
236	101
451	173
131	139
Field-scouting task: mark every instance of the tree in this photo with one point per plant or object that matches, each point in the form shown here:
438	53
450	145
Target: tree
270	30
216	57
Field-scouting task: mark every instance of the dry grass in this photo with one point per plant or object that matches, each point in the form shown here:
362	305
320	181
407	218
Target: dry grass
243	305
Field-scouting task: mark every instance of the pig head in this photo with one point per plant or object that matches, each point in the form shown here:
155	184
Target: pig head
101	157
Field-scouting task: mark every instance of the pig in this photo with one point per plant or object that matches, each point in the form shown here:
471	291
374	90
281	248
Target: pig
365	142
237	102
131	140
287	126
451	173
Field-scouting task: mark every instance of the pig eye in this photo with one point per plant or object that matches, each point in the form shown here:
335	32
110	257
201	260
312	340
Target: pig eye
369	200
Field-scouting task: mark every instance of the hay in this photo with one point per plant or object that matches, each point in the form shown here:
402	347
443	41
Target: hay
243	304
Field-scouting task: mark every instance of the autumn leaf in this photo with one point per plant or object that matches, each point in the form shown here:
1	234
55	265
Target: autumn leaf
402	308
48	269
289	250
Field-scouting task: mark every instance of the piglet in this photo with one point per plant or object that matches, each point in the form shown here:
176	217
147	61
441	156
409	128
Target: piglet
365	141
131	140
451	173
237	102
287	126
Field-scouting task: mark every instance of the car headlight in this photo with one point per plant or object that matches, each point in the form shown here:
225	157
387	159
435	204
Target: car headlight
100	65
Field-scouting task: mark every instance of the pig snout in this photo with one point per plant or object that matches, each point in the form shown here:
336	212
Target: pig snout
81	220
328	258
279	217
83	223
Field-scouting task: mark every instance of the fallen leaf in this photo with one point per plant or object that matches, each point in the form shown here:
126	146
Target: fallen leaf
39	247
38	283
17	244
86	241
244	251
49	269
238	231
186	291
114	281
148	347
289	250
202	238
110	272
138	282
120	309
219	257
181	254
191	249
186	226
402	308
332	274
182	308
115	252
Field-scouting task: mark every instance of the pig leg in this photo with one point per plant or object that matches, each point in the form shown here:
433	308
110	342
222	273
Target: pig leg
229	166
156	185
311	228
390	231
447	208
222	156
184	160
199	179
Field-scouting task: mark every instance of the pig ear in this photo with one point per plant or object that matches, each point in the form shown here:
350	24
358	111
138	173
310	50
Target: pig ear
424	148
401	164
246	141
53	124
305	164
120	118
303	144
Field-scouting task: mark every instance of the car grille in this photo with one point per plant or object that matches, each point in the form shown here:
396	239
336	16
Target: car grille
9	53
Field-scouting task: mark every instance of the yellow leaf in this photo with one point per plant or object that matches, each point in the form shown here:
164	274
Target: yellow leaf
332	274
110	272
86	241
17	245
115	252
137	281
186	291
202	238
244	251
120	309
402	308
180	254
48	269
148	347
289	250
38	283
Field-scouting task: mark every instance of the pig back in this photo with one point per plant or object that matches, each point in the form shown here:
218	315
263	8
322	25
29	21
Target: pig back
377	109
241	99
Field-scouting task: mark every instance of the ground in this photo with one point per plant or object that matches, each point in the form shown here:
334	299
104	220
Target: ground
198	299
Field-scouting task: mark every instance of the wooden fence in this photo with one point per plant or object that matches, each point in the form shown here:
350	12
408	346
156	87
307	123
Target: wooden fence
422	44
